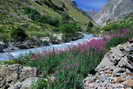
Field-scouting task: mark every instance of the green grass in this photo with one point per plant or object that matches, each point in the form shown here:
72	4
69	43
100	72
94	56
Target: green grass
118	40
69	68
124	23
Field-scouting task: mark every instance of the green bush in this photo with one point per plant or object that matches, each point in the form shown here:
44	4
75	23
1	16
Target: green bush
18	35
40	84
110	27
5	31
36	16
69	28
32	13
66	19
50	20
116	41
69	31
125	23
90	27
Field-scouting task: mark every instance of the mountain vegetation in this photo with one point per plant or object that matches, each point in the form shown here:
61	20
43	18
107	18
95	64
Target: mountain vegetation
38	17
30	20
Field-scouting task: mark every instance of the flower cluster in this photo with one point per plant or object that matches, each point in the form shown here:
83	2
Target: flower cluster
98	44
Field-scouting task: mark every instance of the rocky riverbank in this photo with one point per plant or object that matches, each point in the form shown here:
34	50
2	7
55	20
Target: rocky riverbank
62	47
115	71
17	77
7	46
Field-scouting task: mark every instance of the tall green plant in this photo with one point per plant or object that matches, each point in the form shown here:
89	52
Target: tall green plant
69	68
69	30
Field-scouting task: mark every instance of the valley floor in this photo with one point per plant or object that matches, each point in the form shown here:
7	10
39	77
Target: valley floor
67	70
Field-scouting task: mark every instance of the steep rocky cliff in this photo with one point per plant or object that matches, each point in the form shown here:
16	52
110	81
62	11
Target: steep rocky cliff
114	10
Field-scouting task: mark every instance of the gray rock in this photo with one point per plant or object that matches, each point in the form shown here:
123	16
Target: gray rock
116	58
26	84
115	71
17	77
114	10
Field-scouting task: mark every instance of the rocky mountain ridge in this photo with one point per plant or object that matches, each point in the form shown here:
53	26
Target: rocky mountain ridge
114	10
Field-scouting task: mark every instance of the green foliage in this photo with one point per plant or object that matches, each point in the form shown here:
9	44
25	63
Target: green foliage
116	41
90	25
125	23
91	28
40	84
110	27
18	34
117	28
36	16
120	40
5	31
69	28
69	68
50	20
32	13
67	19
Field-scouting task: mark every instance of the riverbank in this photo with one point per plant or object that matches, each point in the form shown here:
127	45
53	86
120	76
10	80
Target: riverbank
61	47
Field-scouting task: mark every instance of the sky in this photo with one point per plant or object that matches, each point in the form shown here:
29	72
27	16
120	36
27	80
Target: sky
89	5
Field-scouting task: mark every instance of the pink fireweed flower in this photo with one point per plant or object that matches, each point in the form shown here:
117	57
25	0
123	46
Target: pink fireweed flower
125	31
36	56
121	33
98	44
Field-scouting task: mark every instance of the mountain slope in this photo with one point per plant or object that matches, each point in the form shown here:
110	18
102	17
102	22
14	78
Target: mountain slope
114	10
41	16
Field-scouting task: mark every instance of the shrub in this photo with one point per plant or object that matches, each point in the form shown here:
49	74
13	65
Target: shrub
40	84
50	20
69	31
90	27
36	16
118	37
69	28
32	13
53	21
5	31
18	35
66	19
115	41
125	23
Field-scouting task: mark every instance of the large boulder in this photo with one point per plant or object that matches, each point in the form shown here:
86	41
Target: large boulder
115	71
17	77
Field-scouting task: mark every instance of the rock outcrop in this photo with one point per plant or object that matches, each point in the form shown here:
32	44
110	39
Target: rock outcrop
114	10
17	77
115	71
